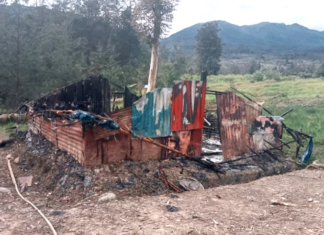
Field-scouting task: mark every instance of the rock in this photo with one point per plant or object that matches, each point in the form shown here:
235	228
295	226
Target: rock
98	188
57	213
97	171
17	160
9	157
62	181
25	181
107	197
172	208
191	184
79	188
5	190
87	181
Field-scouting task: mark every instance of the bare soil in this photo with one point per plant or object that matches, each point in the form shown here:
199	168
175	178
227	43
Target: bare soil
234	209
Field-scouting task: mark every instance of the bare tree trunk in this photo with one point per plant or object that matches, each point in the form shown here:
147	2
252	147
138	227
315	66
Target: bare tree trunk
18	54
153	67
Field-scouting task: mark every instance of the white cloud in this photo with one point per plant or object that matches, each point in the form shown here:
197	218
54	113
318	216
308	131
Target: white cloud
308	13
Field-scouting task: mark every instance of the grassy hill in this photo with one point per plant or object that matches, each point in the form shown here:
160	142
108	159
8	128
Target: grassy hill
263	37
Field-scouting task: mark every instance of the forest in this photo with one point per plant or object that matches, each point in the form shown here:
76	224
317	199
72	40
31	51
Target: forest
46	46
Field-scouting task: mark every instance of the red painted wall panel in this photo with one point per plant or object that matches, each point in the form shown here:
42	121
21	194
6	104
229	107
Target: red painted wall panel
188	105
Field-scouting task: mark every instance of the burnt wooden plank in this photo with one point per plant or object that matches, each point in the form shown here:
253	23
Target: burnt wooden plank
91	94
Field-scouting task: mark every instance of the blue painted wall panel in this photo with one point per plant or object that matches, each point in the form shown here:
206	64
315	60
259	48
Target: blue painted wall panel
151	114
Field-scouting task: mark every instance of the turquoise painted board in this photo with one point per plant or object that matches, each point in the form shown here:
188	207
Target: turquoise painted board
151	114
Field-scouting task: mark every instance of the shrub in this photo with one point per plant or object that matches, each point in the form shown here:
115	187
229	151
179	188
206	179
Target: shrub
258	76
305	75
272	74
320	71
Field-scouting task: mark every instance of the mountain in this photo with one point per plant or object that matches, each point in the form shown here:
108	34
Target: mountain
262	37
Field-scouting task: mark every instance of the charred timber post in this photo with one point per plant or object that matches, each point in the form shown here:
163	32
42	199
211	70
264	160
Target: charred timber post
285	144
259	165
246	157
204	76
285	113
272	145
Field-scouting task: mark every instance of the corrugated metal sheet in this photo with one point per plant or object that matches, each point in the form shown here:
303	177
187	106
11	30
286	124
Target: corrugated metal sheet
117	148
188	142
66	138
233	124
188	105
151	114
196	142
122	117
83	146
70	139
236	118
142	151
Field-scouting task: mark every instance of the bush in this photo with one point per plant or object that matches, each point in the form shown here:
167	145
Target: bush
305	75
258	76
248	77
272	74
320	71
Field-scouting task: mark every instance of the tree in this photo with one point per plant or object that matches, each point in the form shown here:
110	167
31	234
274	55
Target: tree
44	47
209	48
172	65
254	66
152	19
320	71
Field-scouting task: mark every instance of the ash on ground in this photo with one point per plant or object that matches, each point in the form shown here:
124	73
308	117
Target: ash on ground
62	178
212	149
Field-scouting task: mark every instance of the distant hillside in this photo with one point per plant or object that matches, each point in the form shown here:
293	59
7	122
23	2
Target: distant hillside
263	37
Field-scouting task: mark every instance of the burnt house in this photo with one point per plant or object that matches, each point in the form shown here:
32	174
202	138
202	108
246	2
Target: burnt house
167	116
161	124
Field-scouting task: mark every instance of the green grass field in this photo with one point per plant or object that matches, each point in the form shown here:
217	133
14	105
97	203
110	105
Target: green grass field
4	133
304	96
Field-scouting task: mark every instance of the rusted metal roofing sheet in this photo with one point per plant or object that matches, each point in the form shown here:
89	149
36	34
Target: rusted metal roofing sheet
151	114
122	117
81	143
232	115
66	138
70	139
141	150
188	105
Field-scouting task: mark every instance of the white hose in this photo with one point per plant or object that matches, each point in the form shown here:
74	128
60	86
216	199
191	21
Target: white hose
15	183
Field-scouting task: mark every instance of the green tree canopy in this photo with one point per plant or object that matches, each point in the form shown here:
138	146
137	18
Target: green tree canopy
152	19
209	48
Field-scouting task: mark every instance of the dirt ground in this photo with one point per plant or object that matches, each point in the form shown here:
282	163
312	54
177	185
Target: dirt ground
234	209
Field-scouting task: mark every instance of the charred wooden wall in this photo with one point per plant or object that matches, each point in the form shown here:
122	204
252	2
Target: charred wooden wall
91	95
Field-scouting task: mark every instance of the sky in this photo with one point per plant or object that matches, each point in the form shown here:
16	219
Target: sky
308	13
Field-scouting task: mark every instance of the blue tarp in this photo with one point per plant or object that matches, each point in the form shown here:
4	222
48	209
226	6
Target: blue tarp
109	124
83	116
151	115
308	152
